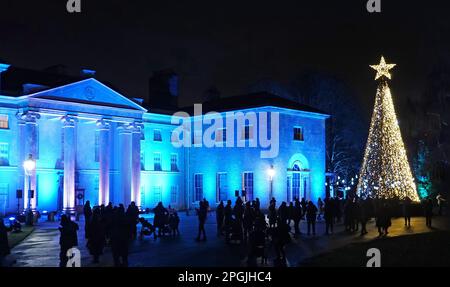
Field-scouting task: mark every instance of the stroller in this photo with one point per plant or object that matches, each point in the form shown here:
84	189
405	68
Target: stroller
258	247
147	229
235	234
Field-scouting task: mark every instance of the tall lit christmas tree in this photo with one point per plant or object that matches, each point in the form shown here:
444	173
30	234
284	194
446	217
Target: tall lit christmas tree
385	172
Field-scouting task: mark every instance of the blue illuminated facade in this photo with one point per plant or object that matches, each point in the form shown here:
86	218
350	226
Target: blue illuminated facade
92	143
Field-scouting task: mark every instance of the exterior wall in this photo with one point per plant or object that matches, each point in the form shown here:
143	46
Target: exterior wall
172	187
236	160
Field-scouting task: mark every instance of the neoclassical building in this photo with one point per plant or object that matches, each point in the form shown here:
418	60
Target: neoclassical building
90	142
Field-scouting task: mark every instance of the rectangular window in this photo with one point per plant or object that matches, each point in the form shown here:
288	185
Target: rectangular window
157	136
4	154
174	194
198	186
96	146
4	198
143	202
221	135
221	187
157	161
298	134
296	186
4	123
157	195
174	162
142	159
247	185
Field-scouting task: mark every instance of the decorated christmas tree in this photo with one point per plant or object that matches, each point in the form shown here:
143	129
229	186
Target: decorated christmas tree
385	172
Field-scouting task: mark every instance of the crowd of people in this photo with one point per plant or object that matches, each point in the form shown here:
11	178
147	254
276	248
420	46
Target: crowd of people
243	223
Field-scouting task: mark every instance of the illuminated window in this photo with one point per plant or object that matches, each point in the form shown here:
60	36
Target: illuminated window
198	186
157	194
4	154
298	134
157	161
221	187
157	136
247	184
142	159
174	194
221	135
174	162
4	124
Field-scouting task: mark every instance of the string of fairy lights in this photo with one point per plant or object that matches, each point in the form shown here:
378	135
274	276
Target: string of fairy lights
385	172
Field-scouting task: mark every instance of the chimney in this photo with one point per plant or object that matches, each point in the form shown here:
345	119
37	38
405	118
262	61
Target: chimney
88	73
163	90
3	67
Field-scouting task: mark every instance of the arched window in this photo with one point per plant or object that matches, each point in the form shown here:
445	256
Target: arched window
296	167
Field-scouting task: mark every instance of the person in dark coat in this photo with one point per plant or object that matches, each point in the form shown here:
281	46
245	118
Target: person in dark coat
329	214
272	215
311	216
280	238
202	213
283	212
120	238
383	219
87	211
160	217
248	220
4	245
228	219
297	216
96	236
174	222
257	204
303	204
428	212
220	214
67	239
133	216
407	211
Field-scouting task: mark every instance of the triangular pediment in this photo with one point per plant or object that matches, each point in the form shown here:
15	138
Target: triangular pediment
89	91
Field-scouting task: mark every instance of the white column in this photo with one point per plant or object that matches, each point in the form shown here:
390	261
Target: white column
31	147
103	158
69	163
21	155
136	163
125	163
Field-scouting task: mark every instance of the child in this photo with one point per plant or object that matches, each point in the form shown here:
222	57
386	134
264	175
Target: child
147	228
174	221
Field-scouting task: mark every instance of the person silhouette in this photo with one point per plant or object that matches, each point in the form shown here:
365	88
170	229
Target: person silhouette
68	238
202	213
87	211
311	216
4	245
133	216
96	236
428	212
174	222
407	211
120	232
220	214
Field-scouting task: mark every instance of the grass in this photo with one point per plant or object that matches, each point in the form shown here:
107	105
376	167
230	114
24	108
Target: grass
419	250
16	238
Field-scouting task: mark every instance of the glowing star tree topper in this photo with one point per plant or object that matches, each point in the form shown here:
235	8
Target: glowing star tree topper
385	172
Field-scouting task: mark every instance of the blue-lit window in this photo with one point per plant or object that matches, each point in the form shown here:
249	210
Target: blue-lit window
157	195
298	134
157	137
222	187
96	146
4	154
142	159
247	185
4	123
174	162
198	187
157	161
296	185
174	194
221	135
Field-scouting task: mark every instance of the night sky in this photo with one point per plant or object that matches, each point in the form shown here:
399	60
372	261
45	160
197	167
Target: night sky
230	44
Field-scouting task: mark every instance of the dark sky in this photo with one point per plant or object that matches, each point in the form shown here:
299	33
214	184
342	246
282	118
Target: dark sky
229	44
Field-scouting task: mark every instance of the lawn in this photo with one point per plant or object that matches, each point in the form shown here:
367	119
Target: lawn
16	238
419	250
